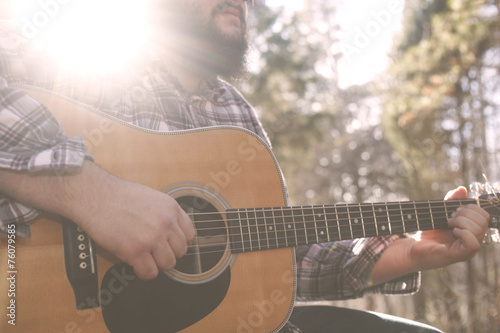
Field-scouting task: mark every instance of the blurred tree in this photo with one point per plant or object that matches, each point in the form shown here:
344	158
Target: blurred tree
443	83
440	105
323	136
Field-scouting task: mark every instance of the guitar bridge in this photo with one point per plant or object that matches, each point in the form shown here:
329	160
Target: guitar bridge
81	265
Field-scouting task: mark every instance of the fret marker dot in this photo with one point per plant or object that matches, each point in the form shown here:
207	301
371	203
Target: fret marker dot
409	216
380	210
319	215
383	227
289	226
322	233
270	228
356	221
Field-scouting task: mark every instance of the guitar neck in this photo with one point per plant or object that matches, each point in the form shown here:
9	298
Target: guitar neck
254	229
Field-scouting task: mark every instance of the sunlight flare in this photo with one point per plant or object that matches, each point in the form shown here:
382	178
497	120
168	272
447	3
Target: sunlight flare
83	34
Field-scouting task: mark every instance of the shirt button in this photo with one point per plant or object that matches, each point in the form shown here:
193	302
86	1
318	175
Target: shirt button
55	156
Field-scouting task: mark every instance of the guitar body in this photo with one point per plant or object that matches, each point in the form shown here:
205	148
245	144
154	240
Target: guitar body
224	167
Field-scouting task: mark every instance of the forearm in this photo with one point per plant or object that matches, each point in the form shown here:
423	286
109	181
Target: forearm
143	227
63	192
393	262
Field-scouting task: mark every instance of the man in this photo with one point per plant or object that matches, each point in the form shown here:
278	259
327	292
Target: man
196	41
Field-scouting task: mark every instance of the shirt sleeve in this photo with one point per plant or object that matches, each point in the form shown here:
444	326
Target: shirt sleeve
341	270
31	140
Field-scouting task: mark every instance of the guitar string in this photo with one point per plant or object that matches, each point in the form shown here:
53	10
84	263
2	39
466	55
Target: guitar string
419	205
402	214
281	242
256	230
283	220
293	237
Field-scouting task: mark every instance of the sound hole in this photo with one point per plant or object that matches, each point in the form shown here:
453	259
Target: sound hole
211	240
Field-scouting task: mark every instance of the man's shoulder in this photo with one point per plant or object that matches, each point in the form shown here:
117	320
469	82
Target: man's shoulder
230	91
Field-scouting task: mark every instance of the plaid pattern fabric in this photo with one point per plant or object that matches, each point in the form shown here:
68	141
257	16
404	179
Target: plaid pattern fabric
348	278
32	140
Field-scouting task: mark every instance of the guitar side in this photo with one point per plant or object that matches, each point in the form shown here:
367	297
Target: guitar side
238	170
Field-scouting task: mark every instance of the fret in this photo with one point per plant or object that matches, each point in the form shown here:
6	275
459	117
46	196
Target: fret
321	227
381	221
344	225
402	217
300	226
423	216
325	217
387	212
262	230
439	214
235	230
362	219
280	227
431	215
416	215
349	221
408	212
355	221
448	214
452	206
312	236
253	234
332	222
291	235
395	216
245	243
271	228
368	213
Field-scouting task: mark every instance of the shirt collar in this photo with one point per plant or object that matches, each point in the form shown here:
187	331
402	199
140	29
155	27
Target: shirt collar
210	88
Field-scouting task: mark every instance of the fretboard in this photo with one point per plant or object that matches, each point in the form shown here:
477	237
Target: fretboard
254	229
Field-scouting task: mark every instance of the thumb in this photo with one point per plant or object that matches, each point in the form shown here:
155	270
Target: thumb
458	193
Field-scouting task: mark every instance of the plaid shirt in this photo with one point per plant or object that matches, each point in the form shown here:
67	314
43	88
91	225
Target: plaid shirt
32	140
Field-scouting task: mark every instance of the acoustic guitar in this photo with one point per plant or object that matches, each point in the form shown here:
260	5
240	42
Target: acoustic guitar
239	273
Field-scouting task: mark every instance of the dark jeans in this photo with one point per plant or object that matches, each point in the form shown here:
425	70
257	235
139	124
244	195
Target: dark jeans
326	319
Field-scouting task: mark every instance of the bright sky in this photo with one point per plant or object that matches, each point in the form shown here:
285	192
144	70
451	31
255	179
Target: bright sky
367	31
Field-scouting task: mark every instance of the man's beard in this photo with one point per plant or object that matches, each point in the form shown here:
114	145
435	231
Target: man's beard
201	45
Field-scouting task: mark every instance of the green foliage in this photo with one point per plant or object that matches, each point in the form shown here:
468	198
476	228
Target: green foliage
293	86
432	101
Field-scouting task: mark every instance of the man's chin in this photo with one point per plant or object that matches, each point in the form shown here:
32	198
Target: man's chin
230	28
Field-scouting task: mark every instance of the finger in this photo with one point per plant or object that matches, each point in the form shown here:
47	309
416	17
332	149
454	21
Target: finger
469	244
475	213
187	226
164	256
144	266
177	242
480	211
465	223
458	193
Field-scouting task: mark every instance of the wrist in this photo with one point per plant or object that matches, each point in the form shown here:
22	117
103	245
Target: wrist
396	261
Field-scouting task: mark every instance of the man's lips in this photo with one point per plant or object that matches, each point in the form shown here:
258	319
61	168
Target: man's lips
232	11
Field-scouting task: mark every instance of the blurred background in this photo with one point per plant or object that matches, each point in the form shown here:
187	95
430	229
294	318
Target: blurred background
364	101
385	100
